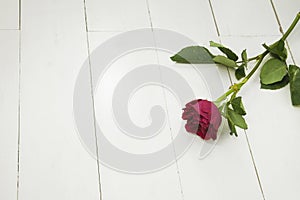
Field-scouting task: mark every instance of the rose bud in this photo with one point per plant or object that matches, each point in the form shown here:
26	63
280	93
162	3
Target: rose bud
203	118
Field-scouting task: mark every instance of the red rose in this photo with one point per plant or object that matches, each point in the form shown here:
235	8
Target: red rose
203	118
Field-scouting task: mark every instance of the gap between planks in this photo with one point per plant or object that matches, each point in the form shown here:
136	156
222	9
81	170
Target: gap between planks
92	96
231	81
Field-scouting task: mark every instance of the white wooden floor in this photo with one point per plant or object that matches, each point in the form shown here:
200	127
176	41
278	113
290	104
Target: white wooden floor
43	45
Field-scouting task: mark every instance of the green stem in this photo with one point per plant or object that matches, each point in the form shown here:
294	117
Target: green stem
249	59
292	26
261	58
236	87
224	96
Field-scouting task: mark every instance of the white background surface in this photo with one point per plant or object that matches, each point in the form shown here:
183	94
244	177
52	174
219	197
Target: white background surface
41	154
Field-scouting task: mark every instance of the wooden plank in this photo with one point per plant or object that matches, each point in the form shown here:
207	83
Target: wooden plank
9	87
54	162
242	18
9	14
116	15
275	154
229	164
286	13
185	18
129	183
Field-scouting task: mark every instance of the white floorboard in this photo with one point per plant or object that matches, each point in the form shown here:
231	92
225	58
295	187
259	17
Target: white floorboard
116	15
192	19
158	184
9	84
9	14
206	178
286	13
273	137
54	162
242	18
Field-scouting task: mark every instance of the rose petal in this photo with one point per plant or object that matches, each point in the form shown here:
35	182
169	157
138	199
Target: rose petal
203	118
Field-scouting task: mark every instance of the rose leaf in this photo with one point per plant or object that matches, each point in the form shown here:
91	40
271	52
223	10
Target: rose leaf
236	119
240	72
277	85
245	57
238	106
228	52
277	50
225	61
193	55
232	128
294	72
273	71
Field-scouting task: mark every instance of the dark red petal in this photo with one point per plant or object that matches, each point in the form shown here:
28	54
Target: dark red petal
191	129
188	105
212	132
196	108
201	134
203	118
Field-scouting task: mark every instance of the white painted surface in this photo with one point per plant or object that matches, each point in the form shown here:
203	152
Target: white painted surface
116	15
9	14
273	121
245	18
163	184
9	84
211	169
192	19
286	13
54	162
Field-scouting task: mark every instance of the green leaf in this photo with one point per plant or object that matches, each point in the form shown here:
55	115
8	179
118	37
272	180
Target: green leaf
193	55
221	107
232	128
294	72
277	85
215	44
225	61
236	119
240	72
245	57
273	71
228	52
238	106
277	50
